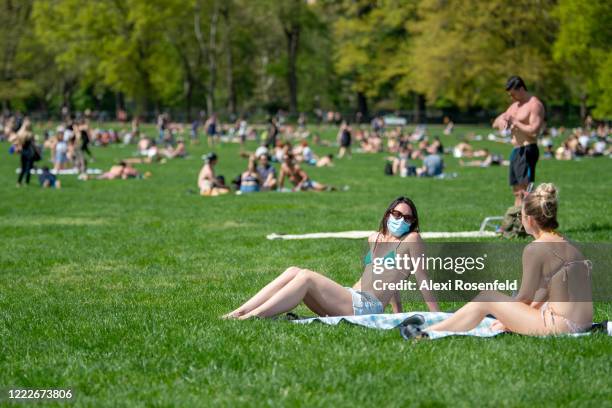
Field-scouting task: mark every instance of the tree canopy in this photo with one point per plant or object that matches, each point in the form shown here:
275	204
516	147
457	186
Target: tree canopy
236	56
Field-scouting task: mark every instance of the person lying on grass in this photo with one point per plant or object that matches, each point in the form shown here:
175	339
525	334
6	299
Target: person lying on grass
122	171
398	231
555	293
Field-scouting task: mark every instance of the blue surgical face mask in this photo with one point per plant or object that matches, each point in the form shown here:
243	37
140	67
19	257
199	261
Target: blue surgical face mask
398	227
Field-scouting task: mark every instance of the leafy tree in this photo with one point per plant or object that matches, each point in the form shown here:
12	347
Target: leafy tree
584	47
465	49
14	26
111	42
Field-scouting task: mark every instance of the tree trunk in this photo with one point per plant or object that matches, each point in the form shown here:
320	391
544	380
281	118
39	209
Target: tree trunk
212	60
188	97
119	101
293	42
227	44
362	106
419	108
583	107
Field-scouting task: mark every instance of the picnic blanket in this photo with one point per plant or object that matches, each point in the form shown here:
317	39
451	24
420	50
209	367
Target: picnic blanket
365	234
390	321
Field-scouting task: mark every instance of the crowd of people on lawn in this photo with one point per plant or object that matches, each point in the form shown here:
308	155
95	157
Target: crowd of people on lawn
548	301
67	148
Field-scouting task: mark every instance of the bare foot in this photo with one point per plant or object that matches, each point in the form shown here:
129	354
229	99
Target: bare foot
232	315
246	316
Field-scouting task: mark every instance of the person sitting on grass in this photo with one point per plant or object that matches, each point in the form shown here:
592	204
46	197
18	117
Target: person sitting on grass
400	165
48	179
432	164
398	231
304	154
555	294
250	182
143	145
267	172
301	182
174	152
208	183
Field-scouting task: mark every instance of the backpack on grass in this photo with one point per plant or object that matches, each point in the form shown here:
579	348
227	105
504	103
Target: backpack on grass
511	226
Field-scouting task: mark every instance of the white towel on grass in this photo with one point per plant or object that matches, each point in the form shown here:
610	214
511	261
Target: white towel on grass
365	234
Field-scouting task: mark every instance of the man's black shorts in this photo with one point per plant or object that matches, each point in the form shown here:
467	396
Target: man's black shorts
523	162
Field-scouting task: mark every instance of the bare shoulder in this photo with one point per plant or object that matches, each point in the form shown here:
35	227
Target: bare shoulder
532	252
413	237
536	103
374	236
411	244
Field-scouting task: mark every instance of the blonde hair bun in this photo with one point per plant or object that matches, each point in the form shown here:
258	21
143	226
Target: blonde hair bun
542	204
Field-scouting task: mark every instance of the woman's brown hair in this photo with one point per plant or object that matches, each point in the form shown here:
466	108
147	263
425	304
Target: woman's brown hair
414	226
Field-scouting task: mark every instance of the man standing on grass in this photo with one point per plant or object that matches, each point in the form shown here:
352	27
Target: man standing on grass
525	120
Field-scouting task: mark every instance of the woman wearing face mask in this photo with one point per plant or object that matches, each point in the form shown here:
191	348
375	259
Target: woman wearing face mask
398	235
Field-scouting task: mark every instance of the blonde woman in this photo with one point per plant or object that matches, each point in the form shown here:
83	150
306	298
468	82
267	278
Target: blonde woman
555	293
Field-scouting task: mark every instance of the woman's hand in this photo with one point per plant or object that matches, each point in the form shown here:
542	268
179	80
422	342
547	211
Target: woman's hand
497	325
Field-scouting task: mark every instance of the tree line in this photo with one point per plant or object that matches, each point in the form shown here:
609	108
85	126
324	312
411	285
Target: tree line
236	56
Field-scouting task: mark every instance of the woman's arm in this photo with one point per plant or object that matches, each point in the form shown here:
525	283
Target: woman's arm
531	276
416	249
396	302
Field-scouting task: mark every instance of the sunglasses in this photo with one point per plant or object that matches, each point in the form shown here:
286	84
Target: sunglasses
407	217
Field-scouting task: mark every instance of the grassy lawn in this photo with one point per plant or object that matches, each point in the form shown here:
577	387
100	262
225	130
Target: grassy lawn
114	288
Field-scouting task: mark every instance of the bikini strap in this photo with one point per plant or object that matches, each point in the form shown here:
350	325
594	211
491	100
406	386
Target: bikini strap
587	262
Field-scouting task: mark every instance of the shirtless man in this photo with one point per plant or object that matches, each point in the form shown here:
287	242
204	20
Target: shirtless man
292	171
525	119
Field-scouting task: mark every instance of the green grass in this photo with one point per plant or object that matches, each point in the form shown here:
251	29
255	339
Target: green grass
114	288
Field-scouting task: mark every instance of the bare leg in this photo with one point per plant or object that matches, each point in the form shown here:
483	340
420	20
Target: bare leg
326	296
265	293
516	316
518	190
396	167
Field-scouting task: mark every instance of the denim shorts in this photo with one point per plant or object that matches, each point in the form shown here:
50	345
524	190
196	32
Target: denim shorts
365	303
